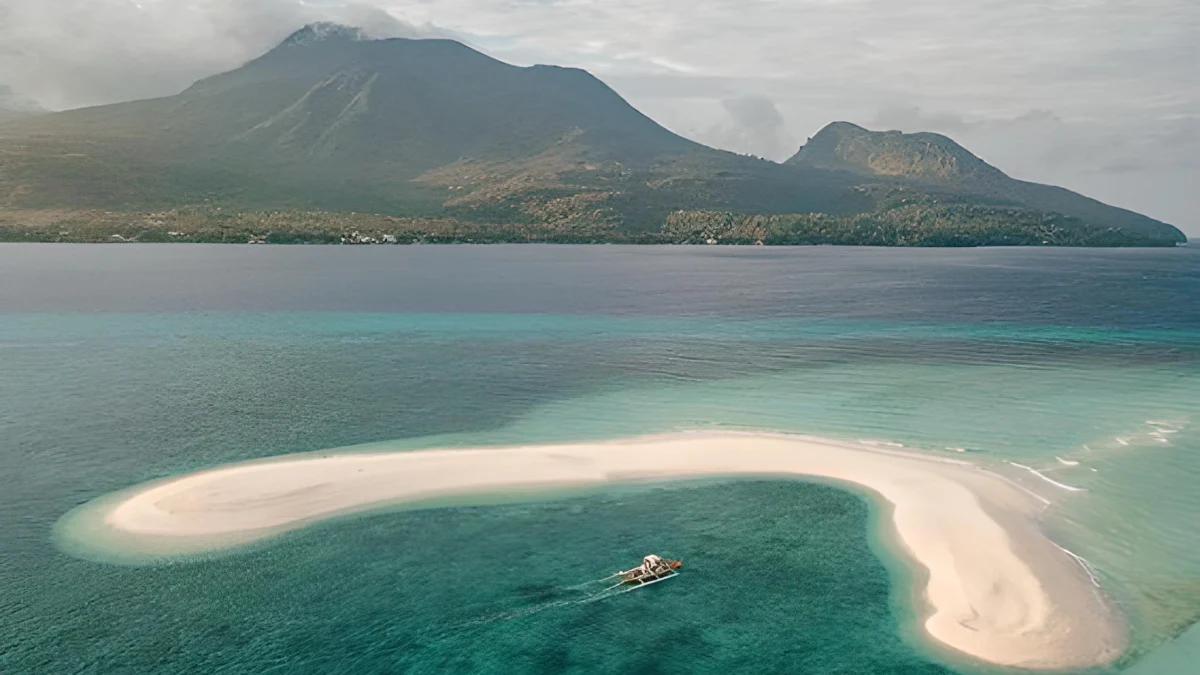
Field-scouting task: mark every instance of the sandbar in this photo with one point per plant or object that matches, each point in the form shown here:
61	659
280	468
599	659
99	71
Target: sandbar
994	586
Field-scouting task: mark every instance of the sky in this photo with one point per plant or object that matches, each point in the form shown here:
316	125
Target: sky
1100	96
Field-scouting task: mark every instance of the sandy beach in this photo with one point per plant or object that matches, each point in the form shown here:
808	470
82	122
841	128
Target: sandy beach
996	588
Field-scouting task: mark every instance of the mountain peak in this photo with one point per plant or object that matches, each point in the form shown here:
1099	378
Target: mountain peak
923	155
324	31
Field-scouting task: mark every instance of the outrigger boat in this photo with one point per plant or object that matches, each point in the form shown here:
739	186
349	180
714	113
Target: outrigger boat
652	570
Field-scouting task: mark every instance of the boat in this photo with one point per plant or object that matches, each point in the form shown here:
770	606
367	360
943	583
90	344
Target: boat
652	570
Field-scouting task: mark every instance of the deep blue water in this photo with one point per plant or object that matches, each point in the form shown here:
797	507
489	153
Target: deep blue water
120	364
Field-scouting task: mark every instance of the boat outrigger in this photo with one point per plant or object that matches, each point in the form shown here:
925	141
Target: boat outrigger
652	570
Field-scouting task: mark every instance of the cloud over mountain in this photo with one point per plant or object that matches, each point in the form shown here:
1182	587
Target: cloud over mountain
751	125
70	53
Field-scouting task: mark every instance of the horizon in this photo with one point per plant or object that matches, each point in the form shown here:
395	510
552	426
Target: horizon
1142	163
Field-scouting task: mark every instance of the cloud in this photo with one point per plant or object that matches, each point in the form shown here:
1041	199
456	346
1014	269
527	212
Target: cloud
912	118
752	125
68	53
378	24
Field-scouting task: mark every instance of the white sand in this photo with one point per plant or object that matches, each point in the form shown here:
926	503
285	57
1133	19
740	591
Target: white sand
996	588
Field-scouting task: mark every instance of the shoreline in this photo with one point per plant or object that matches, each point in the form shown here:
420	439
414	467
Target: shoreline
995	587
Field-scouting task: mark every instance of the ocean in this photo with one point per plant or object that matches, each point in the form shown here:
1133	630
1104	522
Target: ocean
125	363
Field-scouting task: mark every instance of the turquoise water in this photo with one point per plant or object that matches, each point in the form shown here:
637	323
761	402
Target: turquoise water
176	358
518	588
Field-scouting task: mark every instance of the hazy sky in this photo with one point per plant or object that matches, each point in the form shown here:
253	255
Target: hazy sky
1101	96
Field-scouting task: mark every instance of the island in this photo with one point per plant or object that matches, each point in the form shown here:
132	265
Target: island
335	138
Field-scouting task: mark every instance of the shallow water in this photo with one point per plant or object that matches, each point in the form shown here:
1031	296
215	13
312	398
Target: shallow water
120	364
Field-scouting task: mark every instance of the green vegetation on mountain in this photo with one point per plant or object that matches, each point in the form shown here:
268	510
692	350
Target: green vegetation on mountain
915	220
938	165
429	140
921	222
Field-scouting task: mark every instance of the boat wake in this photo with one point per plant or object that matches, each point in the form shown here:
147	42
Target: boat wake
589	584
580	594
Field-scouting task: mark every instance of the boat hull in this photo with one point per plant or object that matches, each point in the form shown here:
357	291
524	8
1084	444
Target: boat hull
640	576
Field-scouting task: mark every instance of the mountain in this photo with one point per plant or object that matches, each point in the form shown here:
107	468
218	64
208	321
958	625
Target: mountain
417	128
406	106
441	142
13	105
848	147
937	164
